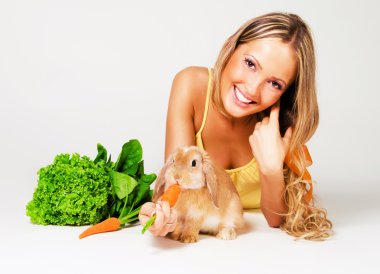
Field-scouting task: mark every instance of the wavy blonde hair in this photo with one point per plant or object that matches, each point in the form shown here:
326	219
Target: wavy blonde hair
299	109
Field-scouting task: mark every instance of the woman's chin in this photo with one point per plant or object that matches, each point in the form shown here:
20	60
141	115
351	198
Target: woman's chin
236	112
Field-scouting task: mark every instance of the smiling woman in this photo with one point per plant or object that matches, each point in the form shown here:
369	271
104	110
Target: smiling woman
253	113
249	86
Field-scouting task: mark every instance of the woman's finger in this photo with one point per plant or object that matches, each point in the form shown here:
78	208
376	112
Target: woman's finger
147	210
158	222
167	228
274	113
257	126
172	218
166	210
287	136
265	121
170	225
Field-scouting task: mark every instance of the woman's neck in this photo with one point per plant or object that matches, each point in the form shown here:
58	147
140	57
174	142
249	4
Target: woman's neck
233	122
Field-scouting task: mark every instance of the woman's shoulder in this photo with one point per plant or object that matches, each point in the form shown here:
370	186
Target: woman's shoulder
194	76
194	71
190	85
188	94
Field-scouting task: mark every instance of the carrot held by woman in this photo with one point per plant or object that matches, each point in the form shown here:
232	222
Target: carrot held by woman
171	196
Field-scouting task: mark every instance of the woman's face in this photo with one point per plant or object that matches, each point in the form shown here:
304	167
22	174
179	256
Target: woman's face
256	76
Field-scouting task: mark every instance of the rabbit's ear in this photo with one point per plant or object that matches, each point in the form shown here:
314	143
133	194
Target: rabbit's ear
210	177
159	186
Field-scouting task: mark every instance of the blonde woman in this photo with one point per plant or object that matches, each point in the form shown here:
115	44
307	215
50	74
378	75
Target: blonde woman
253	113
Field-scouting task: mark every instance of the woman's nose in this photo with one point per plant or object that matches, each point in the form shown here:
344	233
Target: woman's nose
253	89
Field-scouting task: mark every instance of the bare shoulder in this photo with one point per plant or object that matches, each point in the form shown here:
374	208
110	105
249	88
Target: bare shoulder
188	90
189	87
194	73
193	79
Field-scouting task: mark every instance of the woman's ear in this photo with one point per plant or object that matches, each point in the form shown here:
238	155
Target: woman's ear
210	177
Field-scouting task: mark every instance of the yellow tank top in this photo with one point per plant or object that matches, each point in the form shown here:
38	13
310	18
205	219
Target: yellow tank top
245	178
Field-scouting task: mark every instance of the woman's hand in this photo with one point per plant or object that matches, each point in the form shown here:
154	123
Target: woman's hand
268	147
166	219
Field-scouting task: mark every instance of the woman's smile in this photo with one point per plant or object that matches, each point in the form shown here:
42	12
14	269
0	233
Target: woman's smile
240	99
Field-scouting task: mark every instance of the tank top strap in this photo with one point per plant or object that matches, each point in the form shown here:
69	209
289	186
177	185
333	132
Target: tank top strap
207	101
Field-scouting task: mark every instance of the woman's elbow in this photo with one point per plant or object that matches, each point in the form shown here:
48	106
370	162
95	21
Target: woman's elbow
273	224
274	221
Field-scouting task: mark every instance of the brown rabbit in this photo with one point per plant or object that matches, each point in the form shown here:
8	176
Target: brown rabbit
208	202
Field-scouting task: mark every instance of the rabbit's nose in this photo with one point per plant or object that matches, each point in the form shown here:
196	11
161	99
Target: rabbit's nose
177	179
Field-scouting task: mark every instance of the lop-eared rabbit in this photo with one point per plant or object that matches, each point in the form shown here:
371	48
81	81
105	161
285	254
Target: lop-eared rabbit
208	201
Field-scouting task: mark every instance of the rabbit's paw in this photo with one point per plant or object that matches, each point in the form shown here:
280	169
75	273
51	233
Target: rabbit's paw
189	238
226	233
174	236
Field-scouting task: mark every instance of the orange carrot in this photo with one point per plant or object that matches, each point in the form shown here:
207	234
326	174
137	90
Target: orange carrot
171	196
108	225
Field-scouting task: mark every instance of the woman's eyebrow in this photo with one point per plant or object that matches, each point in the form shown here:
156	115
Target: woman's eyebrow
258	63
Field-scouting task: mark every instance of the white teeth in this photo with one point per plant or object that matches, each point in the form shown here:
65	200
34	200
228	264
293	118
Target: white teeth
241	97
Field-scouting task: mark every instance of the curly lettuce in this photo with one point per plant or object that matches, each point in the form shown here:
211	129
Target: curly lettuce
74	190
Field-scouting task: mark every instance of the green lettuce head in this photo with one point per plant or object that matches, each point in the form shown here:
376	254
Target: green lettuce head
72	191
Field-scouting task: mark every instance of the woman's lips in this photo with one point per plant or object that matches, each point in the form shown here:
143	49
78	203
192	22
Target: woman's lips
240	99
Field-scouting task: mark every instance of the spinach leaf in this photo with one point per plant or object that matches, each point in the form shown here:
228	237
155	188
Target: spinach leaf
140	170
129	158
131	186
143	188
123	184
102	154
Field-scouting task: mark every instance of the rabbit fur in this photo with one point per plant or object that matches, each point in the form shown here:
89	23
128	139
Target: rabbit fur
208	202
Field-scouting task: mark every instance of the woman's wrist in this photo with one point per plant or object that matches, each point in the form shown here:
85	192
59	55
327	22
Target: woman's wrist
272	184
271	171
272	197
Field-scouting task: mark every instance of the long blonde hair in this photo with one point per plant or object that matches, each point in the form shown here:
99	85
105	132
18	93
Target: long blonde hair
299	109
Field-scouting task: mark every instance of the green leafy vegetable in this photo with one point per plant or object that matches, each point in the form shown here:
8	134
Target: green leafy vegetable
131	185
72	191
102	154
123	184
129	158
77	191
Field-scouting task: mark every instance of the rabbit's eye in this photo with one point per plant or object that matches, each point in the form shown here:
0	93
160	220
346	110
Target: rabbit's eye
193	163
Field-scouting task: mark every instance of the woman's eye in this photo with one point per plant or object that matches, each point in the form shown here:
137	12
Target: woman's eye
276	85
249	63
193	163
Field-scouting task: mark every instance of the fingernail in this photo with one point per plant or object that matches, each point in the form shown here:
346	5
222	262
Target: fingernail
158	206
153	213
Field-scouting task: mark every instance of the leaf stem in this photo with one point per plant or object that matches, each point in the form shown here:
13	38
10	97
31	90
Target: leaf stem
148	224
127	218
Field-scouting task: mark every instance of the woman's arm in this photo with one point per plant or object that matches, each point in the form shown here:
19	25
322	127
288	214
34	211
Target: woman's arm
179	132
272	197
180	117
269	149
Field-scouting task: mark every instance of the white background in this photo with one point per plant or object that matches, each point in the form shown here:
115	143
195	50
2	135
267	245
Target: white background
75	73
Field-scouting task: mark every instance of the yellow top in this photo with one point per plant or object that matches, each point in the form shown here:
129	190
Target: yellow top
245	178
